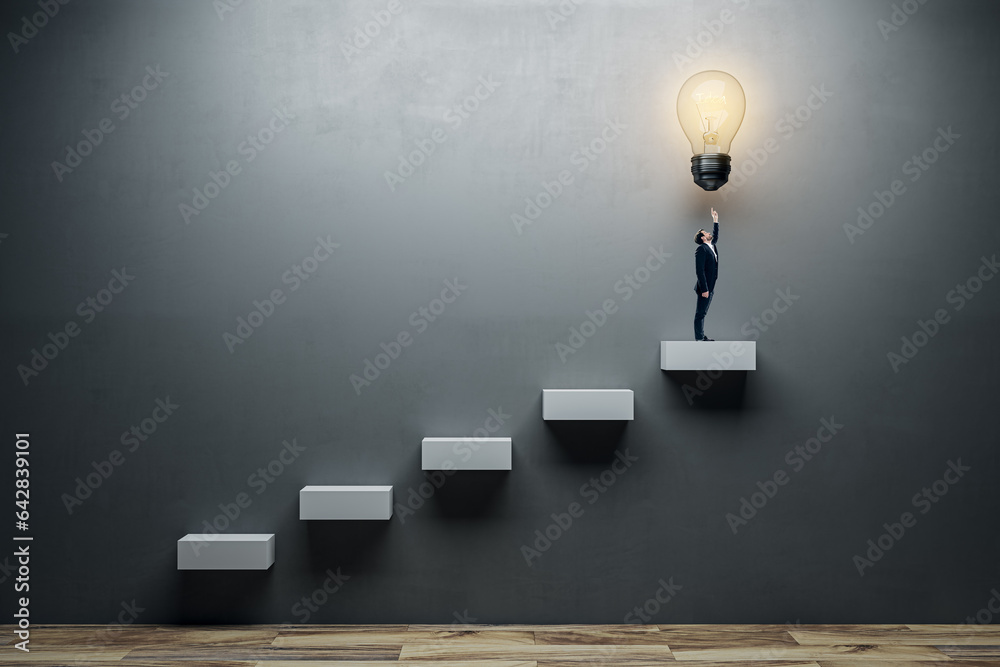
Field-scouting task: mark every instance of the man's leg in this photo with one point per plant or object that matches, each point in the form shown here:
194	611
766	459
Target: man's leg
699	315
711	295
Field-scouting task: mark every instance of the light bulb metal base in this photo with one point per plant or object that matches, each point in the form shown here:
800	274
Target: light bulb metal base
711	170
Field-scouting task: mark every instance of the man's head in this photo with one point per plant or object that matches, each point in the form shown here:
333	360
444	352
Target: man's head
703	237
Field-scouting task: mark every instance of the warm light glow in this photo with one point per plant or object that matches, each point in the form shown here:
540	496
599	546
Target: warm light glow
710	109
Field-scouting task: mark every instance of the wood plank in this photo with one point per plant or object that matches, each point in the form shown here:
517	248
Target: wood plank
313	627
908	663
740	663
149	635
259	653
91	636
613	637
861	652
965	628
846	627
907	638
380	663
215	636
144	663
63	655
786	627
581	653
322	638
731	627
695	637
972	652
539	628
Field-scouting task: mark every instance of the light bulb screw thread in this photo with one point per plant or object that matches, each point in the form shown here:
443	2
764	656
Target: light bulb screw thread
711	170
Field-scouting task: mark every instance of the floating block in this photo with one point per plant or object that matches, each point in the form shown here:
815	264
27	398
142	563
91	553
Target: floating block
592	404
466	454
225	552
345	502
705	355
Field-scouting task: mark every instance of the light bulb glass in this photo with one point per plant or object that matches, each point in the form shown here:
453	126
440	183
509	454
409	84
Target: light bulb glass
710	108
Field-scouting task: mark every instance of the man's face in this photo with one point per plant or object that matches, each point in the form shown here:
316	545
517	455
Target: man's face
706	236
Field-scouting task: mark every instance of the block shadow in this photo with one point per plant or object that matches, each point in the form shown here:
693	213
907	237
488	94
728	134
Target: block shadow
352	544
587	441
211	597
455	494
468	493
699	391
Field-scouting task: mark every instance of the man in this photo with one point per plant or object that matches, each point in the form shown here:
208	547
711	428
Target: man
706	267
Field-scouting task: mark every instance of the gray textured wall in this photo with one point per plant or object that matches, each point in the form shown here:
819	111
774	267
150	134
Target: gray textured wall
495	346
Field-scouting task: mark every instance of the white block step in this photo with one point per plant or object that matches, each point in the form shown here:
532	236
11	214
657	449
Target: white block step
701	355
590	404
345	502
466	454
225	552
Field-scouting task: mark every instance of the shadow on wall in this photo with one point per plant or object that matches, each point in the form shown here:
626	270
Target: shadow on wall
222	596
471	494
461	494
588	441
352	545
700	391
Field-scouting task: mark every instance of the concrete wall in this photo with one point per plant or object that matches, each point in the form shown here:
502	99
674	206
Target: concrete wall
552	82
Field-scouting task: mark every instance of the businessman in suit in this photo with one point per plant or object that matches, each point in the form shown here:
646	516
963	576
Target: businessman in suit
706	266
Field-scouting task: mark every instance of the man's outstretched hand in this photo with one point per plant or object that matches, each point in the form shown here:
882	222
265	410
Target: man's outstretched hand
715	216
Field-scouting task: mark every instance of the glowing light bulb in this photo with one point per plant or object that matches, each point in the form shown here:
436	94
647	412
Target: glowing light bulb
710	108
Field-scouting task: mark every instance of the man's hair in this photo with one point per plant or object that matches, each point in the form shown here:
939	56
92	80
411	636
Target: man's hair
697	237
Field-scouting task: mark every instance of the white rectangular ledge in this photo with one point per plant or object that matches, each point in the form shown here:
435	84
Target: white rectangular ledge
345	502
225	552
708	355
465	454
588	404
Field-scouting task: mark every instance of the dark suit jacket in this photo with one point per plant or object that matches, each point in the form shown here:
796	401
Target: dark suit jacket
706	266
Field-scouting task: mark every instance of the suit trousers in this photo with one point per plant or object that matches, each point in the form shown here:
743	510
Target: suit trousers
699	315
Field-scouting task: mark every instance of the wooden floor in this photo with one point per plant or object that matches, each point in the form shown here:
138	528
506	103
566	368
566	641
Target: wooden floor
508	645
